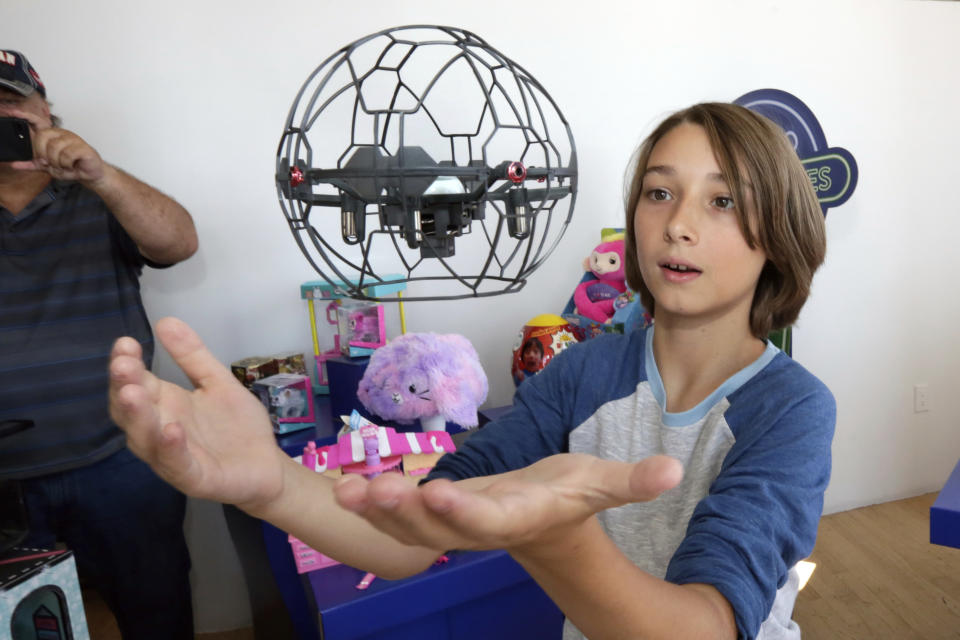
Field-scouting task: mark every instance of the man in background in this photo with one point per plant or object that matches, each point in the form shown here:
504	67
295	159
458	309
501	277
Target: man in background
75	233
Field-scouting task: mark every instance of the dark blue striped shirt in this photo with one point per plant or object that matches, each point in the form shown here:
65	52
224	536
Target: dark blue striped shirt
69	287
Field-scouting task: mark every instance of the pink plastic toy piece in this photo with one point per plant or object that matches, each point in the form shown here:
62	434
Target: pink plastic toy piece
322	356
371	449
365	581
310	456
308	559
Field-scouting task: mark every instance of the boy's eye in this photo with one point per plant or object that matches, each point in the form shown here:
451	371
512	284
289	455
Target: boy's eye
723	202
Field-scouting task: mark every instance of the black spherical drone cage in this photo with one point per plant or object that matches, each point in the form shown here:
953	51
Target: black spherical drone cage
418	136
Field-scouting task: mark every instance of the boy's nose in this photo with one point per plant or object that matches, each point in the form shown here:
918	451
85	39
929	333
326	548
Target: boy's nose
680	226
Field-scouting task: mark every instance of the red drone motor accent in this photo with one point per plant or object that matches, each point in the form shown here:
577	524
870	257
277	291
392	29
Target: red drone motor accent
516	172
296	177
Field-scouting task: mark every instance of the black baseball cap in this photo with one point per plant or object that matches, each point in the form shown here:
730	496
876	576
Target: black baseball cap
17	74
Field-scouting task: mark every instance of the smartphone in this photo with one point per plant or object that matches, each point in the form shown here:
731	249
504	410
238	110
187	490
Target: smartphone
15	140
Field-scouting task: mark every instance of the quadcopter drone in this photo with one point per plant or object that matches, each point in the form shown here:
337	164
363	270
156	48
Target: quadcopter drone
410	143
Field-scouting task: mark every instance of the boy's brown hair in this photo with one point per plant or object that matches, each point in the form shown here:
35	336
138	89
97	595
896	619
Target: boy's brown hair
755	157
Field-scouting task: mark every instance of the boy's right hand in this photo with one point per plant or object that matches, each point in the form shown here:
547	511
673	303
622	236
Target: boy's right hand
215	442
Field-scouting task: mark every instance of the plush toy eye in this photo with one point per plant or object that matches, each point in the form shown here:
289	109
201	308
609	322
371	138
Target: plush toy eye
412	388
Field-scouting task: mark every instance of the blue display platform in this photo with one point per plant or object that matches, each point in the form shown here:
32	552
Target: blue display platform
945	513
474	596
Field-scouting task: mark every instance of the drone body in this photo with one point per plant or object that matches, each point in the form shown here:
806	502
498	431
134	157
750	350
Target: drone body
408	143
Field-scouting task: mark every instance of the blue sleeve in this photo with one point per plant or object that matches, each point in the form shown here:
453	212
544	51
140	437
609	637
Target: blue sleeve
761	514
545	408
548	406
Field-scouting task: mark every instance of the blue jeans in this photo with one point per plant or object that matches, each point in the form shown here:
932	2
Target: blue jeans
125	527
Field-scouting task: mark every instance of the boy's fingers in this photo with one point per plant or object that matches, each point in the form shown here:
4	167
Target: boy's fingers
126	368
653	476
350	493
188	351
398	508
127	347
173	459
131	409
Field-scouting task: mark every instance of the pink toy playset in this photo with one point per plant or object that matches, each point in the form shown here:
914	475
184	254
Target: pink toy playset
369	450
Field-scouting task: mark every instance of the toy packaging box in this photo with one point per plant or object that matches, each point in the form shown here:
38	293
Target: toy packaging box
249	370
361	327
290	362
288	398
40	596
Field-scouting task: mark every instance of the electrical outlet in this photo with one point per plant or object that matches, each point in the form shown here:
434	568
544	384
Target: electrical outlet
921	398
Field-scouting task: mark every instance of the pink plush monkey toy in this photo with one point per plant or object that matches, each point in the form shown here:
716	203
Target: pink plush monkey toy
594	298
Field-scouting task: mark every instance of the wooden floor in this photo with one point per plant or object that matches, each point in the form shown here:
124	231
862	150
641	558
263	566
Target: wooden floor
877	576
102	625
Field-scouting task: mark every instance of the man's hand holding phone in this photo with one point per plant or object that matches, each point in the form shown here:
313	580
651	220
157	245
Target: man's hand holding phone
59	152
15	140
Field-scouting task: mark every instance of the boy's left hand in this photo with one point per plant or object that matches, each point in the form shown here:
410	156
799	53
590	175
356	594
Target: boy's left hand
536	505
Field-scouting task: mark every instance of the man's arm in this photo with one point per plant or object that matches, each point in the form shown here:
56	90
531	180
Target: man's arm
160	227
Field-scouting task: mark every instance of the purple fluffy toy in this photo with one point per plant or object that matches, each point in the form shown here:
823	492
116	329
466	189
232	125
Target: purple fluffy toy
429	377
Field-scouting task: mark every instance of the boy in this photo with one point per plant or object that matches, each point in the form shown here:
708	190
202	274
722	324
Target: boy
723	236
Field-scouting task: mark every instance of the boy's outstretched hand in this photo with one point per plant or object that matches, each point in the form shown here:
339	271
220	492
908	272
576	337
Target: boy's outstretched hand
530	507
214	442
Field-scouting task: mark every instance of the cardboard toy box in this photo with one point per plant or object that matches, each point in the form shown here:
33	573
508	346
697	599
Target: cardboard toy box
288	398
360	327
290	362
40	596
249	370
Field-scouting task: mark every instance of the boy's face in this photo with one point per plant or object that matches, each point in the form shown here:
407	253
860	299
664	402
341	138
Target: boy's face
532	357
691	252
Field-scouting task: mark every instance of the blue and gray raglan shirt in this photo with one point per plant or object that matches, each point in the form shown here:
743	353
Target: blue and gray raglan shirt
756	458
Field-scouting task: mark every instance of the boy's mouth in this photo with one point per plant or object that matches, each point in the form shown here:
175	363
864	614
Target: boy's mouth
679	267
679	272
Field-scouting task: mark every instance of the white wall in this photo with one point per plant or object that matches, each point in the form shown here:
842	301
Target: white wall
192	97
